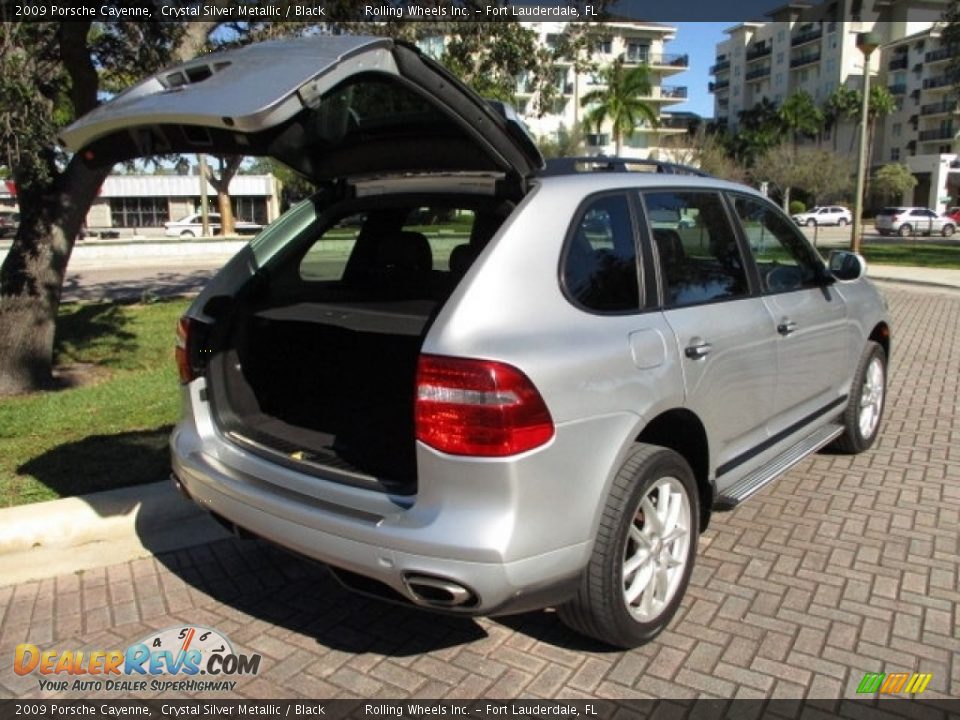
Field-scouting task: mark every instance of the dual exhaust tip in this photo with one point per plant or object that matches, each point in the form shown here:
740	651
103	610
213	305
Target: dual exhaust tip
438	592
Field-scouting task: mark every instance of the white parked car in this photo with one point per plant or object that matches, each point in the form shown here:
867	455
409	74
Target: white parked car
826	215
192	226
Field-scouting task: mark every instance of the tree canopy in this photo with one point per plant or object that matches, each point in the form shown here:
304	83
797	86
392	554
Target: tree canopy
620	100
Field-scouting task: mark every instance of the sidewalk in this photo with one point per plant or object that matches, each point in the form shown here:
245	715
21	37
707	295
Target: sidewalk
933	277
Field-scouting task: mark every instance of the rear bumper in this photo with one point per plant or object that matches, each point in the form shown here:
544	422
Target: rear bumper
497	587
516	534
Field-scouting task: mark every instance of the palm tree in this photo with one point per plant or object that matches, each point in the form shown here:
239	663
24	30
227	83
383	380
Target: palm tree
620	100
801	116
882	103
760	130
842	106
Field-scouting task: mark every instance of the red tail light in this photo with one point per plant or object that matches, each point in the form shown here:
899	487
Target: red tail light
478	407
182	351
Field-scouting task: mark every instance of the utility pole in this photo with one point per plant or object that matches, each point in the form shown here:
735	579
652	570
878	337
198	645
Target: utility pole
867	43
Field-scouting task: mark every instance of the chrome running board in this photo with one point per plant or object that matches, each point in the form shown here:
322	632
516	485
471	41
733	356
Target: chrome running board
747	486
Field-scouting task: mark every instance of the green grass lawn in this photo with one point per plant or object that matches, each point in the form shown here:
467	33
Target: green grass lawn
917	255
111	432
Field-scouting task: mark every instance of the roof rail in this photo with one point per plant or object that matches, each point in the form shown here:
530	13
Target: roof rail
604	163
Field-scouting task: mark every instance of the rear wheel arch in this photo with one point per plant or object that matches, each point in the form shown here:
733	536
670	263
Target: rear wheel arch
682	431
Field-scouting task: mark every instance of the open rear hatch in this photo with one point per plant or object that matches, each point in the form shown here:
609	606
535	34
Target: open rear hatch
327	106
320	374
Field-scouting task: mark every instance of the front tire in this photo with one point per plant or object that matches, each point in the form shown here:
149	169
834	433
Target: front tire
811	223
643	553
948	230
861	419
187	234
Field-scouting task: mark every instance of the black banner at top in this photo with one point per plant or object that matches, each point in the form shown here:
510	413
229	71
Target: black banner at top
330	11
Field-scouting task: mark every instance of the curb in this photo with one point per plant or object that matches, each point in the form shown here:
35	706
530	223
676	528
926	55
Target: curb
71	534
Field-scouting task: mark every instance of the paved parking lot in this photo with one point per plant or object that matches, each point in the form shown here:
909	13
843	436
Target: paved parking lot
843	566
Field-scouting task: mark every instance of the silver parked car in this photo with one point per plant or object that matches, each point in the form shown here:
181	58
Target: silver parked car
907	221
477	384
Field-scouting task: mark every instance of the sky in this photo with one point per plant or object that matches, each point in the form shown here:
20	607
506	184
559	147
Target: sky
698	40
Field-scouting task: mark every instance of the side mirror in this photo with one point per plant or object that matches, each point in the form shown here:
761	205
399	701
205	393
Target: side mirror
847	266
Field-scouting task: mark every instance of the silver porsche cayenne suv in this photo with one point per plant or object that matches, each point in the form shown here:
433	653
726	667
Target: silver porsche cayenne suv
479	383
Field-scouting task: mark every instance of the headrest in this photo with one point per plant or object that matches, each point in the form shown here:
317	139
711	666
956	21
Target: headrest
406	250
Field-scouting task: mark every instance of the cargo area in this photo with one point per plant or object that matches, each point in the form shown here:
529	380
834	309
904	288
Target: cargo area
314	364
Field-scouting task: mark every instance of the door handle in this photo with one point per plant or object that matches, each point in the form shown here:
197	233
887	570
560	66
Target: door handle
786	327
700	350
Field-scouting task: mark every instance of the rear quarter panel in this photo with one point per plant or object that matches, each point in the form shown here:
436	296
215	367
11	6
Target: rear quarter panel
511	308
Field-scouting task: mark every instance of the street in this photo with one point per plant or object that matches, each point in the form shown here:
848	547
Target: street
843	566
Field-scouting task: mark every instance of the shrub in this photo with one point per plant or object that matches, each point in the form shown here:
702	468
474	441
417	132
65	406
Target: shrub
797	206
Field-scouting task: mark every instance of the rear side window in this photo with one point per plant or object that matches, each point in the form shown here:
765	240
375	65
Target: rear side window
697	249
600	262
784	258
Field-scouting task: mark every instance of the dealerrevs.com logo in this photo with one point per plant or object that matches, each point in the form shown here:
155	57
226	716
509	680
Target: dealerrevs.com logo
172	659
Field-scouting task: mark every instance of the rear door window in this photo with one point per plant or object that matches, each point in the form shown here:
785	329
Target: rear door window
599	266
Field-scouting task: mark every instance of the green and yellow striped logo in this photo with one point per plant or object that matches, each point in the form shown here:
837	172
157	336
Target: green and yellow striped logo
893	683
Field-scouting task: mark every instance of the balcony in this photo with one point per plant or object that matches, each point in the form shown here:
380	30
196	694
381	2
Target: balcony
943	133
758	74
805	59
944	53
674	92
806	35
668	60
899	62
939	108
940	81
755	52
667	123
897	89
720	67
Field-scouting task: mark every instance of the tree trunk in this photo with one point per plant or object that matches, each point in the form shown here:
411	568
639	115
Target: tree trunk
31	277
786	200
228	168
226	213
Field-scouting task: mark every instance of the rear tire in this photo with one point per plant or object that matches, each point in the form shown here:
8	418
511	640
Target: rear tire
842	222
868	392
948	230
905	231
643	553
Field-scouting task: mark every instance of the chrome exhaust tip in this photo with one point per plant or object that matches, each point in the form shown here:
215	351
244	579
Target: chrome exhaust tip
438	592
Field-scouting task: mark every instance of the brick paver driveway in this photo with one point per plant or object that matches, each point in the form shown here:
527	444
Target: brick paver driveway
843	566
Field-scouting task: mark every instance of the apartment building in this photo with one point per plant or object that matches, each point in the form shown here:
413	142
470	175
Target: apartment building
922	132
638	43
813	48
